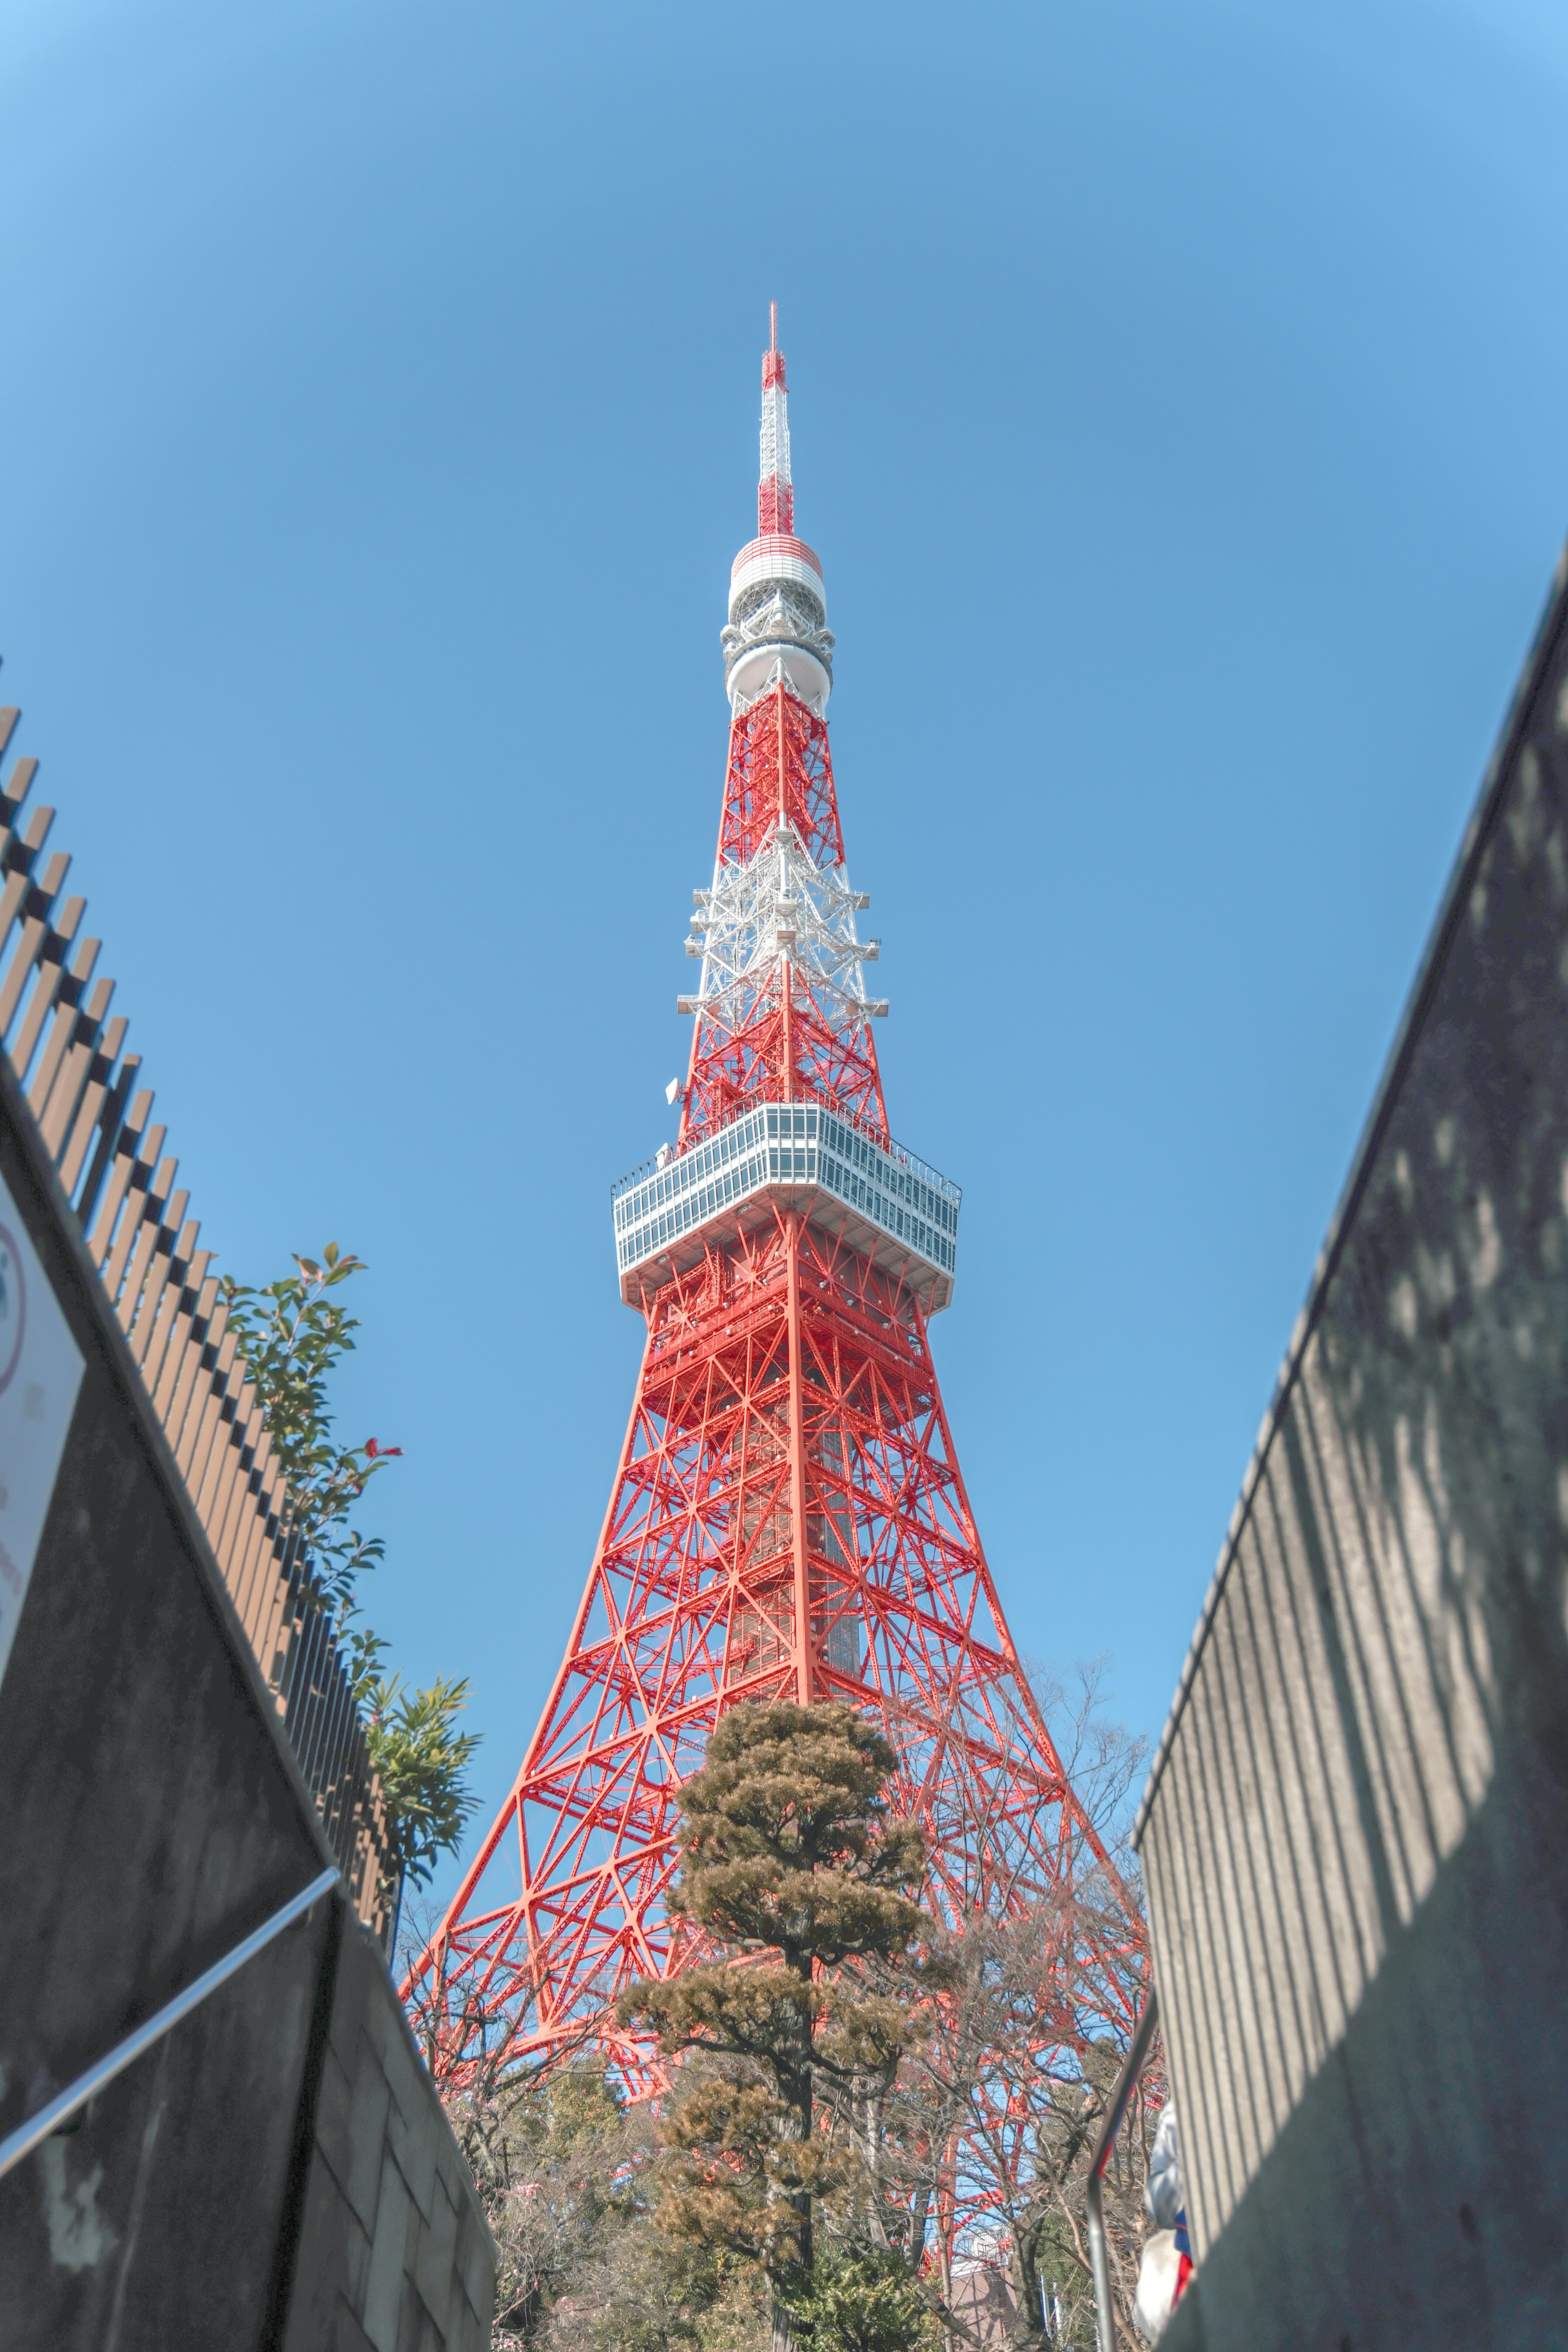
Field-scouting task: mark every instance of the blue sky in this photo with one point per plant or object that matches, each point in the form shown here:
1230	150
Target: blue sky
1180	408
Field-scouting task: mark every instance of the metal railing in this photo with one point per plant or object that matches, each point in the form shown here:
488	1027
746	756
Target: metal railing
943	1185
1126	2084
60	2109
772	1146
69	1057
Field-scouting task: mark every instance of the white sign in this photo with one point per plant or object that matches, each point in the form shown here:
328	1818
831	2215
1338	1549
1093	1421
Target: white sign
40	1372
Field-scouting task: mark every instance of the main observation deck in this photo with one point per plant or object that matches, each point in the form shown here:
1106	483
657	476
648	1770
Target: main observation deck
885	1203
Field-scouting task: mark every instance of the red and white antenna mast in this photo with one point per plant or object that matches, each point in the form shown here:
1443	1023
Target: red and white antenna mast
777	604
775	495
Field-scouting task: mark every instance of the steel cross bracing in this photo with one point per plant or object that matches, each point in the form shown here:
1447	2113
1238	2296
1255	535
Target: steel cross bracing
779	903
785	1385
787	1516
782	1012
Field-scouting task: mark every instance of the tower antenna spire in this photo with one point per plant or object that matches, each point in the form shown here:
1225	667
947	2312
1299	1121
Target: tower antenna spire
775	495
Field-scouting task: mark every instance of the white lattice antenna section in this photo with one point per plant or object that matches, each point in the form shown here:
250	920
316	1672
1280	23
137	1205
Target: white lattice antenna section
779	904
775	436
775	498
775	465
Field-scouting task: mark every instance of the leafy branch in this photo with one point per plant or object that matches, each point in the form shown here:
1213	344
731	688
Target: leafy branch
420	1758
293	1333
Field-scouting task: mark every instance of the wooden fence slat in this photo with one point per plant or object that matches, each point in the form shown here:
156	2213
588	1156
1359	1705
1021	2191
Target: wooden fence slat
143	1271
233	1480
109	1122
51	980
215	1423
34	931
228	1501
275	1626
265	1603
141	1176
186	1372
159	1290
122	1148
173	1255
36	832
63	1026
175	1322
84	1035
256	1546
137	1232
207	1400
19	783
266	1503
38	904
15	892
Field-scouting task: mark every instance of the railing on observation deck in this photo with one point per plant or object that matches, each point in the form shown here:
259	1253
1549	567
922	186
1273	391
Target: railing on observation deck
787	1143
70	1060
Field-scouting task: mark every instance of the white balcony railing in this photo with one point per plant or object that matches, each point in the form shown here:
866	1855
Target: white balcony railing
908	1212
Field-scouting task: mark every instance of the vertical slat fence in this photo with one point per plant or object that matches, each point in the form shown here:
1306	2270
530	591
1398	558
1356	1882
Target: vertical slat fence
67	1053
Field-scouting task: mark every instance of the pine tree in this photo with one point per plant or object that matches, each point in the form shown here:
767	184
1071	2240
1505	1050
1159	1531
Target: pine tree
793	1868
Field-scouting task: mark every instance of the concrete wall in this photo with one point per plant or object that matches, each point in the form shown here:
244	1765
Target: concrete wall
394	2251
1356	1839
152	1815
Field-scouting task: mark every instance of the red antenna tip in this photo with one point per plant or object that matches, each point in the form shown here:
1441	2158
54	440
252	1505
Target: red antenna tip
772	358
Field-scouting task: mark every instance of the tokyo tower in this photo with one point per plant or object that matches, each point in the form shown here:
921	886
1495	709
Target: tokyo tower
787	1517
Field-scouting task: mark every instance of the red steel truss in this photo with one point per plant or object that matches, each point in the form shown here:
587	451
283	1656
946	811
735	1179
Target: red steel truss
778	1039
787	1517
779	767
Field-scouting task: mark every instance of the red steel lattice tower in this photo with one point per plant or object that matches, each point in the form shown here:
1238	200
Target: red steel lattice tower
789	1517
